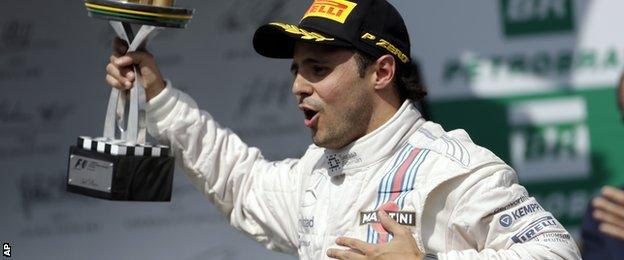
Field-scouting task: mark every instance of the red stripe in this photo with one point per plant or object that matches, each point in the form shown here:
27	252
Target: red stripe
396	186
398	178
382	239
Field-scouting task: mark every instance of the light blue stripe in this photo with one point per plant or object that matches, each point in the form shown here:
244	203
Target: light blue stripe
382	196
425	154
384	179
413	176
410	172
388	189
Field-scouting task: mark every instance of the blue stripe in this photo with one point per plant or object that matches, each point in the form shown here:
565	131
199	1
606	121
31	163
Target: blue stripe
385	178
410	174
385	186
425	153
388	190
413	177
381	194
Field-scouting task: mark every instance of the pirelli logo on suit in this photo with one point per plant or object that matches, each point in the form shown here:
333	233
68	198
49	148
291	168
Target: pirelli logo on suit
335	10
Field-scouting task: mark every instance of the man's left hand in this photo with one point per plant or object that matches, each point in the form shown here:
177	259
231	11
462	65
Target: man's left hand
402	246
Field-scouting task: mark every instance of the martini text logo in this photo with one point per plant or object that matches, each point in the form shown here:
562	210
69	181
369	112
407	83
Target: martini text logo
336	10
401	217
527	17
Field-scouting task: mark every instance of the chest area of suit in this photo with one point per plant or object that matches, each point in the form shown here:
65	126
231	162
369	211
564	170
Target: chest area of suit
348	204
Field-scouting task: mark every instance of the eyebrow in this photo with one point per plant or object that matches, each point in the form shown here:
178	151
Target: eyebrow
294	66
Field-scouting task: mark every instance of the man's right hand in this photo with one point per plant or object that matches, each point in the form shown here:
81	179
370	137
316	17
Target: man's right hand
609	210
120	72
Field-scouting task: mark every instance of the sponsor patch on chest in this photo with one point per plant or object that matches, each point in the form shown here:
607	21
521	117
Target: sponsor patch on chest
405	218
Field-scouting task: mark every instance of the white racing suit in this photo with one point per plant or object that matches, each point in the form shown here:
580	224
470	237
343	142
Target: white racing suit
459	200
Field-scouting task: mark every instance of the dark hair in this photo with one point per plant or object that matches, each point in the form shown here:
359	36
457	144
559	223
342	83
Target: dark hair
407	77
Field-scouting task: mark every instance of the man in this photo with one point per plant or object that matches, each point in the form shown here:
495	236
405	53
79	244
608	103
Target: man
603	224
373	153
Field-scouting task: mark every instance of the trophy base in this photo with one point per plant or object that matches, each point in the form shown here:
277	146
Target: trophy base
119	177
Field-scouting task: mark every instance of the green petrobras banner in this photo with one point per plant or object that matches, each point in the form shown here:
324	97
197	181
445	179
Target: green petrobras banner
563	145
534	81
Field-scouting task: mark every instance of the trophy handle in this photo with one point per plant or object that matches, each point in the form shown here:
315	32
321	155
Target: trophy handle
135	129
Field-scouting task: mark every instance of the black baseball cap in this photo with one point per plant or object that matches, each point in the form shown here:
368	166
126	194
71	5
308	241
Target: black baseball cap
373	27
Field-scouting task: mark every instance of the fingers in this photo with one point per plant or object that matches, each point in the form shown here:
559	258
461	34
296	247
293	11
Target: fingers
119	47
609	218
612	230
343	254
613	194
119	76
609	210
392	226
115	83
609	207
356	244
140	58
121	68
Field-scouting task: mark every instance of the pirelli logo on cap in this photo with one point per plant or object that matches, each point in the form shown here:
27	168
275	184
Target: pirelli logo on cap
336	10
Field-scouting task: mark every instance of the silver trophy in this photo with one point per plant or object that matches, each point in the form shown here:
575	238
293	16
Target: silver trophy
121	165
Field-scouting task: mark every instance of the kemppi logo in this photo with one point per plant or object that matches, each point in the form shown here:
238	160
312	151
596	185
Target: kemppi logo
336	10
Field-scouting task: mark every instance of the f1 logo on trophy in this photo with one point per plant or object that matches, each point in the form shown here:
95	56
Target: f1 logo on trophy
121	165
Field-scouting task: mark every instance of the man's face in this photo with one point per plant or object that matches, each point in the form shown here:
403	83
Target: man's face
336	101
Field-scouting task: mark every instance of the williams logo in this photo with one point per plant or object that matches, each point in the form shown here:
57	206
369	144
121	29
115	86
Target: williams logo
336	10
534	229
401	217
527	17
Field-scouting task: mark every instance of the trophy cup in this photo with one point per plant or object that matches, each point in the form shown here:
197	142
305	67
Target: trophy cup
121	165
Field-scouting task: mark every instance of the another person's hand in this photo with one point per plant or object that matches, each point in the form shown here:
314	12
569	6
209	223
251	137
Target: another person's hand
609	210
120	72
402	246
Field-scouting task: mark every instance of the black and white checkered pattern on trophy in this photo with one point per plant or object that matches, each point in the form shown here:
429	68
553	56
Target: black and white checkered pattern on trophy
120	165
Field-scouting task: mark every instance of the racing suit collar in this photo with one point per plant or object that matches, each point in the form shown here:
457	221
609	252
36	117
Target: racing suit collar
376	145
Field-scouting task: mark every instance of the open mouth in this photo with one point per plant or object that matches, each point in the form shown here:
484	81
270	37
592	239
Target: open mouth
310	116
